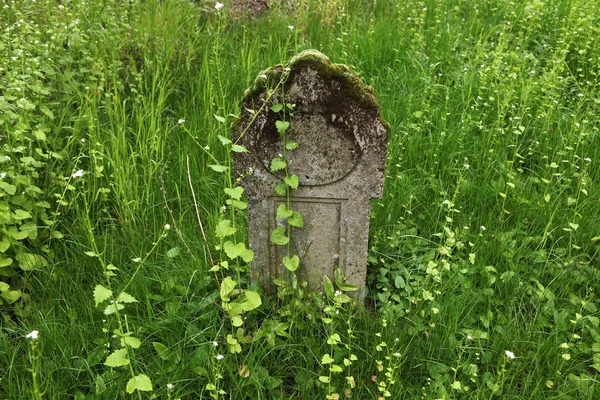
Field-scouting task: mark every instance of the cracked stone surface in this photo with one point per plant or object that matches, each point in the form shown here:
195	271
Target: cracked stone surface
340	163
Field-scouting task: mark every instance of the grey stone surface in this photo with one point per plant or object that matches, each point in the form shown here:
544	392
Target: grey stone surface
340	163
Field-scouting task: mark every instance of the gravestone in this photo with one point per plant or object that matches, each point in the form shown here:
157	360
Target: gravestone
340	163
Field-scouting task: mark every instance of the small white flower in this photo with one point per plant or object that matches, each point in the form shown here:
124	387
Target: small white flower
170	386
510	354
469	337
167	227
482	228
215	344
220	357
181	121
467	166
3	175
223	208
77	174
286	69
218	6
60	6
291	27
587	159
32	335
397	354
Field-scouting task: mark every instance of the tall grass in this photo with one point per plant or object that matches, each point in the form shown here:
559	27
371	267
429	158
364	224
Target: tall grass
484	246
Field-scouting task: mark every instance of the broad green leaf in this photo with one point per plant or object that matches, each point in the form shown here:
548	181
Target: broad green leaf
39	135
225	229
334	339
278	236
289	145
117	358
10	296
277	107
101	294
328	286
326	359
224	140
4	245
234	250
292	181
218	168
253	299
324	379
227	286
4	286
346	287
283	212
219	118
5	261
28	261
296	220
282	126
281	188
277	164
247	255
236	321
241	205
336	369
139	382
125	297
161	350
21	214
238	148
112	308
234	193
131	341
173	252
8	188
291	264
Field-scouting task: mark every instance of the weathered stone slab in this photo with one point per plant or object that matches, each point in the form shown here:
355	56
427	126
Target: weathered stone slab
340	163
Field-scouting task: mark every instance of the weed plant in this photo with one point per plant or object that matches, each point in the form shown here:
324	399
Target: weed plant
483	257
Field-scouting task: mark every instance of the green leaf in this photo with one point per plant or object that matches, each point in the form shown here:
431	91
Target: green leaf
241	205
238	148
277	107
324	379
224	140
234	193
139	382
247	255
281	188
112	308
283	212
227	286
253	299
328	286
236	321
161	350
296	220
28	261
278	236
334	339
101	294
292	181
234	250
326	359
131	341
289	145
10	296
5	261
277	164
173	252
282	126
91	254
21	214
125	297
291	263
4	286
39	135
218	168
336	369
117	358
225	229
219	118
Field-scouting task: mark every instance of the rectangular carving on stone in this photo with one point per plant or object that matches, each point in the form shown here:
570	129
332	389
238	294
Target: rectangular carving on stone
339	163
317	243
